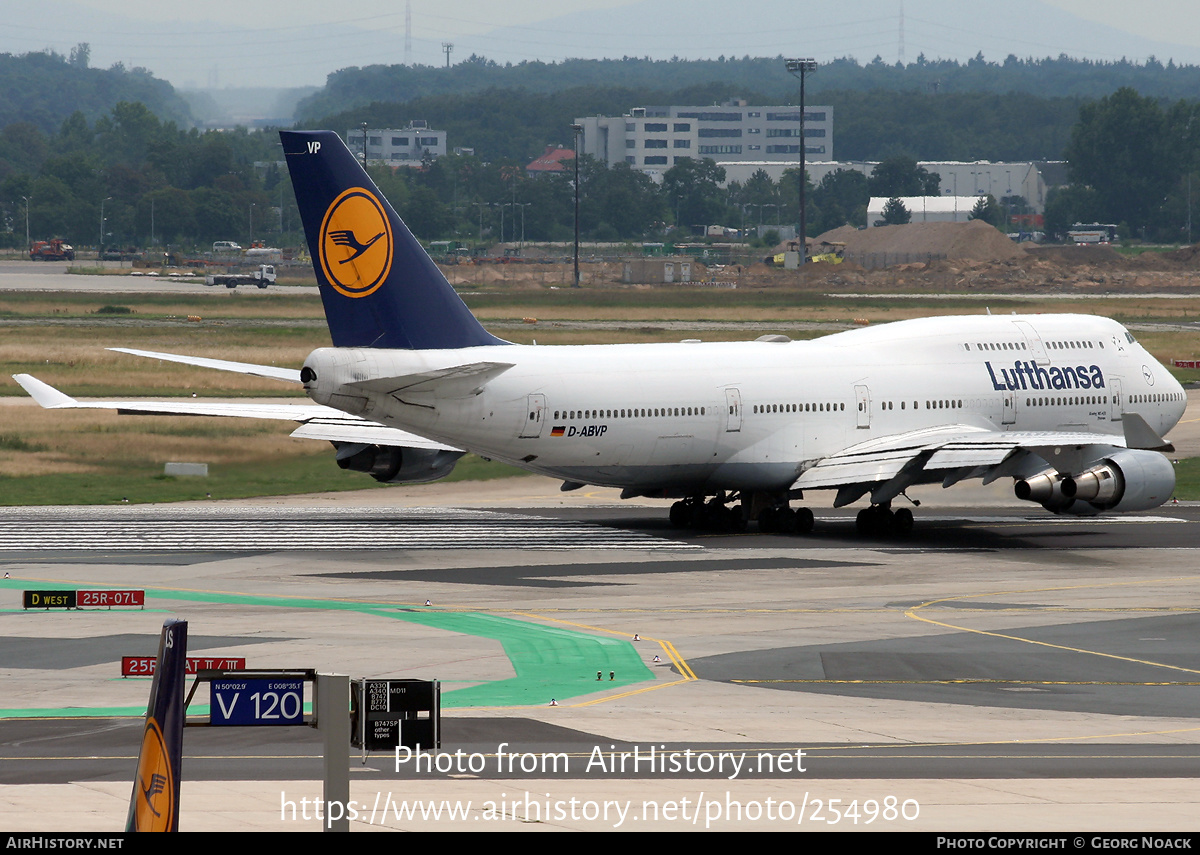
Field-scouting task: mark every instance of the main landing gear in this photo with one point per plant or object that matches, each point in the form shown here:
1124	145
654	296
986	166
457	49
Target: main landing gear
785	520
731	512
711	515
882	521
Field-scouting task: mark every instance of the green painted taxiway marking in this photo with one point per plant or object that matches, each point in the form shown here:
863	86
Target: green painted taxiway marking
550	662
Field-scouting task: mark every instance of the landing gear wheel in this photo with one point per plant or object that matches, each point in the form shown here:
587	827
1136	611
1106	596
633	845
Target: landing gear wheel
680	514
902	522
804	521
875	521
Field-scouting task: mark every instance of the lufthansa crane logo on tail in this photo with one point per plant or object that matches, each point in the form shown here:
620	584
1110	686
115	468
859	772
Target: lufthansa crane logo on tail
154	794
356	243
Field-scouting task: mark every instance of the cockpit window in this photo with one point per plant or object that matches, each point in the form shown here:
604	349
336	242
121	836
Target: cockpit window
1129	337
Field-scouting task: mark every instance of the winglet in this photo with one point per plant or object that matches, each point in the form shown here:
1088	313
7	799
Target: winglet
46	395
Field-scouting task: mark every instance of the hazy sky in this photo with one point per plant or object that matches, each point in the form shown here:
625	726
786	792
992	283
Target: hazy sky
1176	21
283	49
1169	20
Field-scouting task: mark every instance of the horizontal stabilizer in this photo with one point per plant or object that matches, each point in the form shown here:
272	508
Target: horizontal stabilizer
291	375
349	429
459	381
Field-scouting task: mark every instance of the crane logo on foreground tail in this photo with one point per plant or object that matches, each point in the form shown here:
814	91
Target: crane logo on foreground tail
356	243
154	796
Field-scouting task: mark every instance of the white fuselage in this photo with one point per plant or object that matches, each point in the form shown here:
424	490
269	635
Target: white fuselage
754	415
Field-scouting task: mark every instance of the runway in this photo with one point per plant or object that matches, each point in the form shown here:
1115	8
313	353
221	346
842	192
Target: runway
1001	669
249	529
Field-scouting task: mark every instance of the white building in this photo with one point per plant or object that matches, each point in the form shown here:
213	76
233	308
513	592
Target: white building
398	147
652	139
926	209
979	178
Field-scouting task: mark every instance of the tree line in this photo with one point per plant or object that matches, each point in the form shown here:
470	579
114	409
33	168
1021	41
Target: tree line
1047	77
1132	162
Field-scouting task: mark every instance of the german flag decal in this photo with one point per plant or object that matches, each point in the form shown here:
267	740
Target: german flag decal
356	243
558	430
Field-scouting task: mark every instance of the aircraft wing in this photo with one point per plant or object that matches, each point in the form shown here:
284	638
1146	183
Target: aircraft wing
317	422
889	465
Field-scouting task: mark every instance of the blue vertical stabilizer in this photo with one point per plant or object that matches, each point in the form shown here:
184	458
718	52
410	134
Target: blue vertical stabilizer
379	286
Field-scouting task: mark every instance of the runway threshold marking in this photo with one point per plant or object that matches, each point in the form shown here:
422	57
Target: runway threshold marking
912	613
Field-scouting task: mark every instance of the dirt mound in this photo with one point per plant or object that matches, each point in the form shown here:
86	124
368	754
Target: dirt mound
842	234
1185	255
1072	256
975	240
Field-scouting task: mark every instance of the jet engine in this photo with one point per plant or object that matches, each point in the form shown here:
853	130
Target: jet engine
391	464
1126	480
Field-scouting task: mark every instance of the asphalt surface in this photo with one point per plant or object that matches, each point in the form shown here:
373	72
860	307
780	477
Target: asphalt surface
1000	669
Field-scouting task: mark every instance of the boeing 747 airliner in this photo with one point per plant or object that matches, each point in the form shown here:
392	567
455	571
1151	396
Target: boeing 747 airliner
1070	407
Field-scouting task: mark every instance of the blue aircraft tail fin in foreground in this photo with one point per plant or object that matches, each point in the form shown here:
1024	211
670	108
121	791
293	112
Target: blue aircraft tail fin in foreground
154	803
378	285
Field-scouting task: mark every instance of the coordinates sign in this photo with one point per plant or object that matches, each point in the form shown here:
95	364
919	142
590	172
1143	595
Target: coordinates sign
257	702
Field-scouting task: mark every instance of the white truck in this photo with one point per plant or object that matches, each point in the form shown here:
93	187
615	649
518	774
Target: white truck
261	278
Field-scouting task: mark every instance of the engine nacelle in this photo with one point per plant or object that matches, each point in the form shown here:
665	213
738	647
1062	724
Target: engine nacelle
391	464
1129	480
1045	488
1126	480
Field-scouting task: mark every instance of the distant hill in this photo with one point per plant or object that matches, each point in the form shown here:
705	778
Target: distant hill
43	89
765	76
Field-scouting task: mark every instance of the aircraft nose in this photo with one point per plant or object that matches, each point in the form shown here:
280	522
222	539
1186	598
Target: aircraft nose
1180	398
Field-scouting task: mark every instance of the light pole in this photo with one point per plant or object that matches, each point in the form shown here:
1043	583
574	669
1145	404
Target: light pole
800	68
578	129
27	199
1187	131
100	255
251	224
364	130
523	206
480	206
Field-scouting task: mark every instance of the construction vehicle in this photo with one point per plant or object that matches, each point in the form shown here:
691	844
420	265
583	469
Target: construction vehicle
830	252
51	250
263	276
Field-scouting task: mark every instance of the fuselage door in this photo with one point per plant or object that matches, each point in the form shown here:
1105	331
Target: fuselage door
1114	399
733	410
535	415
1010	408
862	396
1033	341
